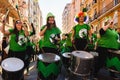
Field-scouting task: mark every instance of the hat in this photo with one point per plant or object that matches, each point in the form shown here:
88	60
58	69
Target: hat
81	14
50	15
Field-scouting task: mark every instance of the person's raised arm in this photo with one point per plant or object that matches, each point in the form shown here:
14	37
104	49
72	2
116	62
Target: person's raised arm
5	32
43	31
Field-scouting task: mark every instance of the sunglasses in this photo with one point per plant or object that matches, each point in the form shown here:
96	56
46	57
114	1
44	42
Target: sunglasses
18	22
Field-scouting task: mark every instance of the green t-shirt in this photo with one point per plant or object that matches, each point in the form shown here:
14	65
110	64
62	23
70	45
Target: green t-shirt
109	39
62	43
64	46
46	39
68	42
81	31
21	44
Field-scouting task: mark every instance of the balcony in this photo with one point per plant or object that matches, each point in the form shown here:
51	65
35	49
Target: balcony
108	7
5	4
105	9
94	2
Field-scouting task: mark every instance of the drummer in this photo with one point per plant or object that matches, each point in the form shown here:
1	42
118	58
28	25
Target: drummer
107	34
80	32
51	35
65	43
17	41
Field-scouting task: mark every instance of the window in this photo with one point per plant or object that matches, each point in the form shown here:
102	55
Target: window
115	2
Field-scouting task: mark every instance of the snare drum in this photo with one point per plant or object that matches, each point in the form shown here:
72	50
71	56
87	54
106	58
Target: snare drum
12	68
49	66
113	61
81	63
66	59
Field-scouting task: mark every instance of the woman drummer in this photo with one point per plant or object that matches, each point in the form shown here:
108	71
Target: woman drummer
17	40
51	35
80	33
107	34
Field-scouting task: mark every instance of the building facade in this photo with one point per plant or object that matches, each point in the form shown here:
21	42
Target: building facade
99	10
28	9
66	19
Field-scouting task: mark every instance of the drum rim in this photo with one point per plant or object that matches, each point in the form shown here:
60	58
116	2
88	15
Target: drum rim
68	56
58	57
12	58
86	58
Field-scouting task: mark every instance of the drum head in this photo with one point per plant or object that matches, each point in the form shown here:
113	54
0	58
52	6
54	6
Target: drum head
48	57
82	54
67	54
12	64
94	53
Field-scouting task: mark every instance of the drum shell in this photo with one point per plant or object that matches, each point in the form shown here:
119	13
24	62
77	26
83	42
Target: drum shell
113	61
17	75
45	66
12	69
66	60
80	66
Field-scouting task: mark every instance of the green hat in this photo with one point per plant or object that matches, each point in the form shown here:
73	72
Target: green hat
50	15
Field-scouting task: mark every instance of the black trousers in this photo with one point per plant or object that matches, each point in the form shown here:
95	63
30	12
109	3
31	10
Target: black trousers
49	50
81	44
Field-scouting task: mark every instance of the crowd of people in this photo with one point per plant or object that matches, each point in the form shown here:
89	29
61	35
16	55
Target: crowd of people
82	37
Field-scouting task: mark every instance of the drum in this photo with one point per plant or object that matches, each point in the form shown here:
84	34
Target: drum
95	61
81	63
66	59
113	61
49	66
12	68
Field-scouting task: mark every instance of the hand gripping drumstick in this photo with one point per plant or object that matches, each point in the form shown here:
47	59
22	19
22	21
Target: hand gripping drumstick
17	7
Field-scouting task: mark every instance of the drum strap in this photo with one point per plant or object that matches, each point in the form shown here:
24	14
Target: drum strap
74	47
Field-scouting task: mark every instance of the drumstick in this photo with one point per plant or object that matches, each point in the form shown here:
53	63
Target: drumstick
74	47
24	25
42	50
6	14
18	12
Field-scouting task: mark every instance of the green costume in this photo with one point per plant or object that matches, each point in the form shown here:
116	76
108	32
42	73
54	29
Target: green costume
81	36
46	40
109	39
21	44
81	31
65	45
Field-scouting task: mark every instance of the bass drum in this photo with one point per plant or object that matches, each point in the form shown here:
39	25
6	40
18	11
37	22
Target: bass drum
48	66
12	68
81	63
